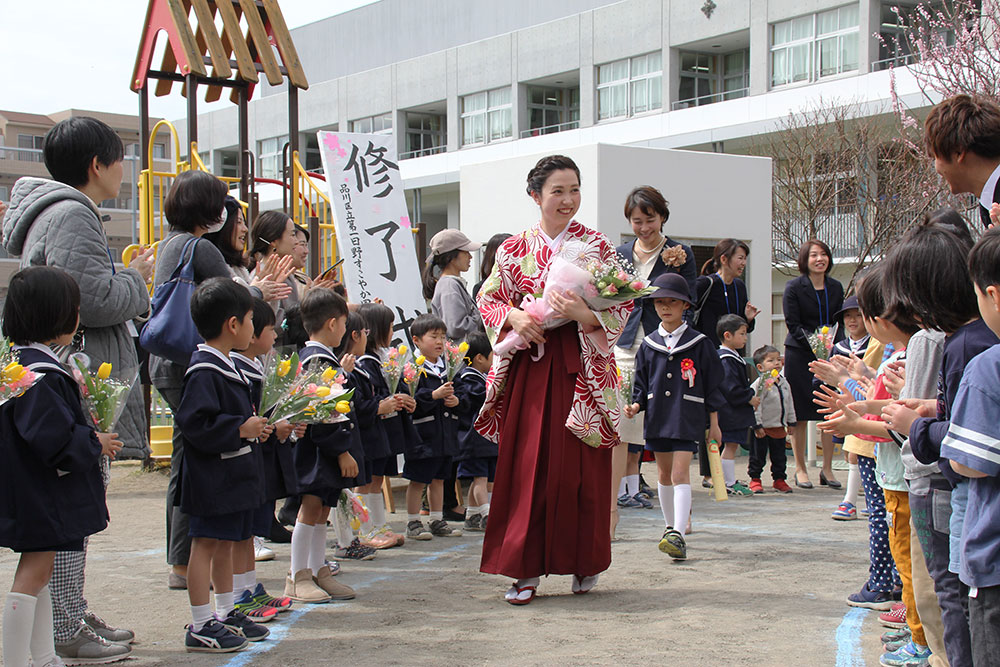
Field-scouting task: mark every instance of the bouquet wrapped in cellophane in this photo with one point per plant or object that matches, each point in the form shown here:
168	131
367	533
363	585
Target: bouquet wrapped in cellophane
392	367
613	282
353	508
454	357
105	392
280	374
314	398
15	379
412	370
821	341
766	382
626	380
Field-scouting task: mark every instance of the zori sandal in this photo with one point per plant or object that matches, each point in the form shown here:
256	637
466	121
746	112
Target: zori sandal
520	596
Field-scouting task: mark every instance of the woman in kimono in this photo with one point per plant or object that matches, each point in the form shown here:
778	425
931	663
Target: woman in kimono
553	408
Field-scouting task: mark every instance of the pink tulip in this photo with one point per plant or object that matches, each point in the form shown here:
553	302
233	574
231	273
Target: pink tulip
622	275
638	285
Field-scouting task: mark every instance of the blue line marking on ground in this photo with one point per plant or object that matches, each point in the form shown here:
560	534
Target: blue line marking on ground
280	632
849	638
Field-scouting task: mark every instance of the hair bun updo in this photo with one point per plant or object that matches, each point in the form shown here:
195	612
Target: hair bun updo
544	168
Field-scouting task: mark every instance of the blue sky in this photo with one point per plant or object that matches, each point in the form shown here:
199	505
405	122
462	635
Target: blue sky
63	54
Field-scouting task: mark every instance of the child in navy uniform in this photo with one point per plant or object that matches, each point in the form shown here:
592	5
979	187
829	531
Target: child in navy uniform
54	496
428	458
772	417
736	417
677	379
220	481
274	456
327	458
477	456
397	425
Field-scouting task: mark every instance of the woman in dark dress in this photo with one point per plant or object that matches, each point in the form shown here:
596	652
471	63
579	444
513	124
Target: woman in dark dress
727	293
810	301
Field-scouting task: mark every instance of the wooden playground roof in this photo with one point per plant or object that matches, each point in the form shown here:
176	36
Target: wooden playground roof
236	57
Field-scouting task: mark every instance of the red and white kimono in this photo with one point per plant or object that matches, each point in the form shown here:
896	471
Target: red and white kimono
555	419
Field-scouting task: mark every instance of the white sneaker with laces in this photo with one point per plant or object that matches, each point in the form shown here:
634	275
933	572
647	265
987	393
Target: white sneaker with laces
260	552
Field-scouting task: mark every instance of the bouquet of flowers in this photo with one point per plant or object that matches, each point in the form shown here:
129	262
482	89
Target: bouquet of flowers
454	357
626	380
314	397
353	508
821	341
392	367
766	382
411	373
612	282
280	374
15	379
104	396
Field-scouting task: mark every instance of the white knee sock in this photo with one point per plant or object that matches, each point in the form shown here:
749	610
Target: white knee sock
224	604
343	531
237	585
18	619
43	648
666	493
682	505
200	615
376	510
302	535
729	471
632	485
853	485
317	550
250	581
623	487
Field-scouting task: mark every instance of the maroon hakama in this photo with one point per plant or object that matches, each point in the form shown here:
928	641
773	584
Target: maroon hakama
551	507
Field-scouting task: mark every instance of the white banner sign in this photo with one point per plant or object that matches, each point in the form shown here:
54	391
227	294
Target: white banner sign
374	233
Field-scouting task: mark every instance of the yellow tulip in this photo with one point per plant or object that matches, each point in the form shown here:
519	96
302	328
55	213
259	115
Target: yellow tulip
463	347
322	392
284	367
329	374
403	349
104	371
774	372
343	407
420	360
825	330
355	523
13	372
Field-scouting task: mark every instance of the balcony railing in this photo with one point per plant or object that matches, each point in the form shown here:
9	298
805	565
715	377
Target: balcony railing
550	129
895	61
710	99
434	150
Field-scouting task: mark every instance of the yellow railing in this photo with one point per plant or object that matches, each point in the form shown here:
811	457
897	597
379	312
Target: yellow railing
309	200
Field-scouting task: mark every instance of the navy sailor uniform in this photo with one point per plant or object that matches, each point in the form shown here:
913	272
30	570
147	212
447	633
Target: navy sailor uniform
366	404
437	425
219	472
737	413
476	455
315	454
676	409
51	492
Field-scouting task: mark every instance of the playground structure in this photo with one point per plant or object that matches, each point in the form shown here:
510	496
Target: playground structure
237	55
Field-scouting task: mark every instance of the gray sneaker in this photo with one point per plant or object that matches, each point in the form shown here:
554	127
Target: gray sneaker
440	528
415	530
102	629
672	544
475	523
87	648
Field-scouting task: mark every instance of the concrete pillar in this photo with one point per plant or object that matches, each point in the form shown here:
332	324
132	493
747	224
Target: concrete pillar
588	76
760	48
869	21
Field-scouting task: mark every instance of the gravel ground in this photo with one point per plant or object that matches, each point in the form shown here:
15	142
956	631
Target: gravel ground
764	584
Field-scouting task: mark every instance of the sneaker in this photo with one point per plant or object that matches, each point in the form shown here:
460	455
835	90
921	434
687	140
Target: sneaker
672	544
53	662
214	637
177	582
302	588
440	528
864	513
260	552
384	530
354	551
452	515
88	648
626	500
256	611
739	489
756	486
486	518
866	599
377	540
646	490
281	604
334	567
845	512
336	590
416	530
102	629
475	523
781	486
907	655
903	634
895	617
643	502
241	625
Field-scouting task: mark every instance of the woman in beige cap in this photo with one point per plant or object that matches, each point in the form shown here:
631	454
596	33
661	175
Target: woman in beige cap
451	255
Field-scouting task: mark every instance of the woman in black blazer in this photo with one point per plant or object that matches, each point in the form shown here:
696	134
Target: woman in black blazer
810	301
727	293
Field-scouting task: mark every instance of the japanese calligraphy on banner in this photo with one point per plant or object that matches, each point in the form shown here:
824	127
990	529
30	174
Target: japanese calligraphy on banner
374	233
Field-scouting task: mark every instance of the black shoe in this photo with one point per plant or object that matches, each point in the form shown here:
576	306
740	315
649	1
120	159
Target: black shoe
452	515
645	489
832	483
278	533
289	512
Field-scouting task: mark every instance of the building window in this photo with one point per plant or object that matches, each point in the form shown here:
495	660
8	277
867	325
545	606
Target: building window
4	194
32	142
486	117
426	134
552	110
629	87
269	156
381	124
706	78
811	47
229	164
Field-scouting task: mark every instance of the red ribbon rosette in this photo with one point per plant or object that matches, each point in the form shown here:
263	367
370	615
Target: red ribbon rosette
688	371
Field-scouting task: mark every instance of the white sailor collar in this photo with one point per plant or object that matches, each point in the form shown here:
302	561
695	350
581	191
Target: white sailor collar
256	370
219	362
50	361
726	352
322	351
689	338
469	369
